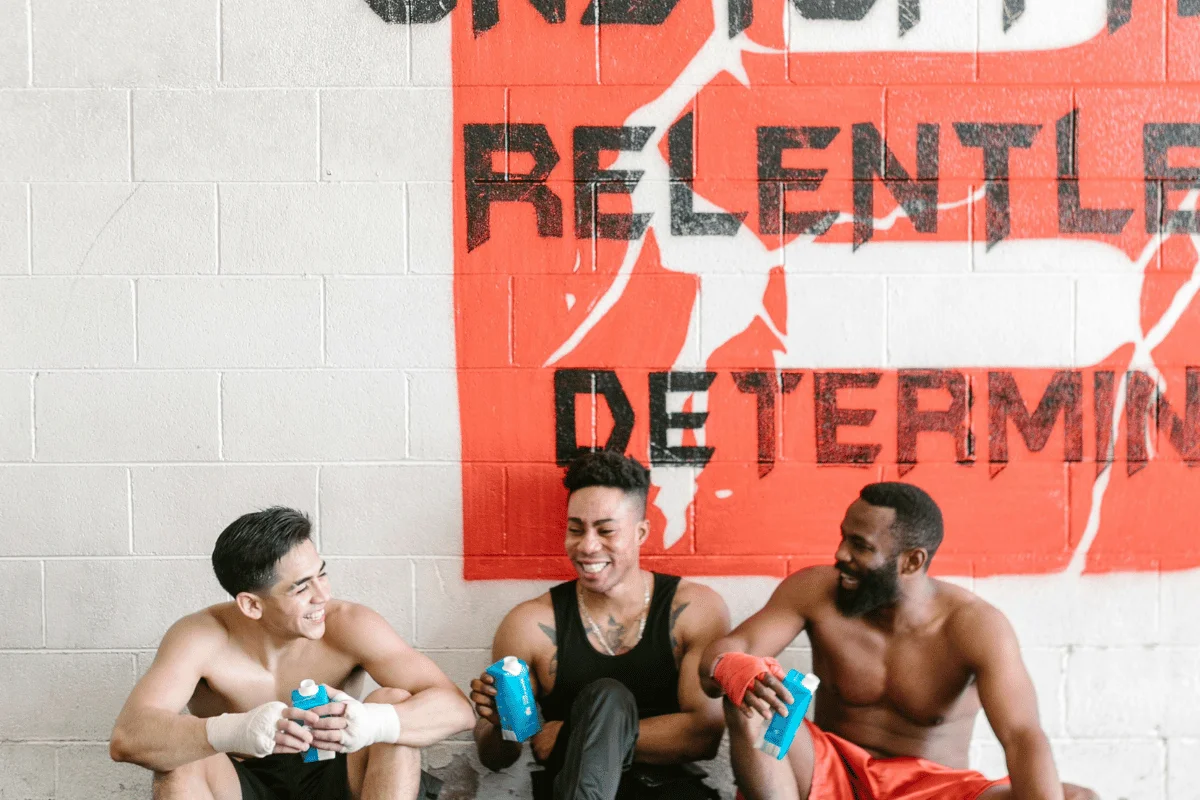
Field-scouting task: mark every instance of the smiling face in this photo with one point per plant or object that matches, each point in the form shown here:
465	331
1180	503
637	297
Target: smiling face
605	530
294	606
868	560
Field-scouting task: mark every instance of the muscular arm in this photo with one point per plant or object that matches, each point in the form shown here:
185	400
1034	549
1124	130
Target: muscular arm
987	640
765	633
436	710
698	616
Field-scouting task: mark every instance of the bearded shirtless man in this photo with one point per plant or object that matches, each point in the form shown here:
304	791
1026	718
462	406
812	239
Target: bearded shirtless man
234	666
905	662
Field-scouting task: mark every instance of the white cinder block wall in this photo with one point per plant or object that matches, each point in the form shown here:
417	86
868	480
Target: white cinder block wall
225	282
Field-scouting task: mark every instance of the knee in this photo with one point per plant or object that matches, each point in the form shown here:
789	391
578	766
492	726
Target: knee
388	695
1071	792
189	780
604	695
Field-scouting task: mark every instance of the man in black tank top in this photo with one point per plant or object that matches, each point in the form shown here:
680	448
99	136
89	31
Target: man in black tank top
613	657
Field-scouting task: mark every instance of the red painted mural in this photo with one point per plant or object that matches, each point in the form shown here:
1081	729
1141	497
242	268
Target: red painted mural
663	207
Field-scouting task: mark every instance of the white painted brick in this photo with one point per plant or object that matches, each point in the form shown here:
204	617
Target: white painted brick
88	689
64	136
124	229
310	228
1128	768
14	46
390	322
333	43
1101	610
452	613
85	772
744	596
1179	593
1183	698
386	134
229	322
431	60
66	322
180	510
431	228
383	584
831	321
314	416
14	228
21	599
1182	757
126	416
401	510
28	771
1109	313
124	43
229	134
875	258
16	424
433	416
125	603
1046	670
462	666
1116	692
979	320
55	511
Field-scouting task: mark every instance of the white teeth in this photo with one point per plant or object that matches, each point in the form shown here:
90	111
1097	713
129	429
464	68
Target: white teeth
593	568
316	616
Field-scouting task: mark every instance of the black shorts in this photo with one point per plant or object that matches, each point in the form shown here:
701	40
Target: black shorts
287	777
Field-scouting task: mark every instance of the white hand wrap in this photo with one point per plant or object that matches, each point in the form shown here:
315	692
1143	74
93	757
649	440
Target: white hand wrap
367	723
251	733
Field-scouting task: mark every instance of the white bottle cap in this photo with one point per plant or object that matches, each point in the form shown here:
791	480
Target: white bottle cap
308	688
512	665
811	682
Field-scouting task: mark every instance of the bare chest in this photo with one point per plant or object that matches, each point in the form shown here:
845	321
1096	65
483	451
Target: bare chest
235	682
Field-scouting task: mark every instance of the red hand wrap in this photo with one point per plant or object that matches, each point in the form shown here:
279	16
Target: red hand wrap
735	673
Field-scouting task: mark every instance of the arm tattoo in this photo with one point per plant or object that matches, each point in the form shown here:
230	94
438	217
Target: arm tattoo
552	635
615	634
676	646
550	632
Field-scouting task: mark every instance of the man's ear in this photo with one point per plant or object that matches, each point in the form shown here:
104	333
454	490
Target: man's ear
249	604
643	532
914	561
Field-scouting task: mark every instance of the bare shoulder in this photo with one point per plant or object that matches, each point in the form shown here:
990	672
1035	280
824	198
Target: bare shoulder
974	626
198	638
808	589
697	602
351	626
528	628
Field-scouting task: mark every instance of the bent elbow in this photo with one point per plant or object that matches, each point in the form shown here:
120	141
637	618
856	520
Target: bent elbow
118	749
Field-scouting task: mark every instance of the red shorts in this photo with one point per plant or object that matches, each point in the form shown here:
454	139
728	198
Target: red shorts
844	771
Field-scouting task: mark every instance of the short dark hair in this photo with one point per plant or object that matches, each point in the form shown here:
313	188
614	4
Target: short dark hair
612	469
918	520
248	551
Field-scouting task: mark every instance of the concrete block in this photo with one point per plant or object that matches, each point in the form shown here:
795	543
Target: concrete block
67	322
831	321
124	43
229	322
21	599
314	416
400	510
309	228
1119	768
180	510
390	322
1117	692
16	419
452	613
225	135
433	422
1108	311
1182	757
127	603
124	229
61	510
339	43
383	584
14	44
966	321
431	61
430	228
462	666
64	136
1183	697
1179	593
28	771
386	134
78	715
1046	668
126	416
85	772
744	596
14	226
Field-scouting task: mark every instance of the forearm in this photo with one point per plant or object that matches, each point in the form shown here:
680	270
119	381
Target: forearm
677	739
431	715
1031	768
495	752
160	740
729	644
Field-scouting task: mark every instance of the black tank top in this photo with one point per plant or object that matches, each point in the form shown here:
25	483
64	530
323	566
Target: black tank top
648	670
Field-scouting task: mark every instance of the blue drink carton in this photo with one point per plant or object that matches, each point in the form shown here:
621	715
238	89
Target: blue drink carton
519	717
310	695
782	730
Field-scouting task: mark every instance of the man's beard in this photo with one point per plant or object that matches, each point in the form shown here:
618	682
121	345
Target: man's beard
876	589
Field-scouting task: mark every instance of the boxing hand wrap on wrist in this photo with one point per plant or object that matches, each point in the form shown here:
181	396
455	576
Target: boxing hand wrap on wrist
251	733
735	672
367	723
